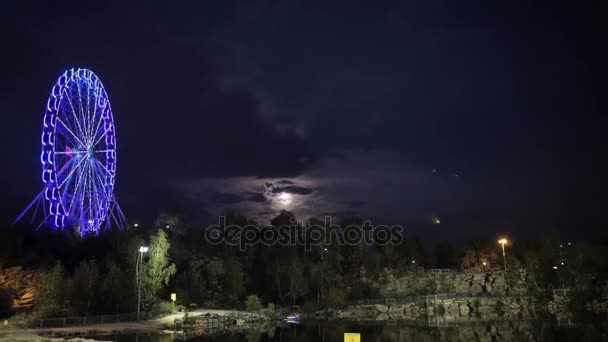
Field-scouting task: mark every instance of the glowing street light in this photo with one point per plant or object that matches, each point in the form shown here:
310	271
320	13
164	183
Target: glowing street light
503	242
142	250
135	225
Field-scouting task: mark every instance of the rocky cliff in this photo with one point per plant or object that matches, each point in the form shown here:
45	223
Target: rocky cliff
432	282
22	284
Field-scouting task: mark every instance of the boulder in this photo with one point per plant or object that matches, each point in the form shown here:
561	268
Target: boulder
381	308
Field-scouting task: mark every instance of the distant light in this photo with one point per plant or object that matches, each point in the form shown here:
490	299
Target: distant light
413	261
554	267
168	227
143	249
437	220
503	241
484	263
135	225
562	263
90	221
568	243
325	249
434	171
561	246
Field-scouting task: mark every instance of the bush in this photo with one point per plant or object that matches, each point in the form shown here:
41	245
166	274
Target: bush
162	308
334	298
271	311
49	311
252	303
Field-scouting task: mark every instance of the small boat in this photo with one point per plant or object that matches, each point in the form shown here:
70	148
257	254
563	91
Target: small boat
293	318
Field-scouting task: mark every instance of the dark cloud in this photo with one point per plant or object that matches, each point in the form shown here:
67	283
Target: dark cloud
256	197
291	189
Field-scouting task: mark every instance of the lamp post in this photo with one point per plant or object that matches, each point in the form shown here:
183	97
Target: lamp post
138	265
502	242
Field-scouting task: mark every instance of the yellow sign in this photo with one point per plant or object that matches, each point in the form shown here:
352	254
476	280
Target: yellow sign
352	337
173	297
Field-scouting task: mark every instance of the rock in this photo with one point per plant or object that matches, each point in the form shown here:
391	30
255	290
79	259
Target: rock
382	317
381	308
26	296
12	271
464	310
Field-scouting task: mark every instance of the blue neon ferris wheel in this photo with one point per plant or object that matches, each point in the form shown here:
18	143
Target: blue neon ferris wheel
78	155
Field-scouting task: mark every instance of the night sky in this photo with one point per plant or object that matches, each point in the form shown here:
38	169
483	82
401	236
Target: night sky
489	115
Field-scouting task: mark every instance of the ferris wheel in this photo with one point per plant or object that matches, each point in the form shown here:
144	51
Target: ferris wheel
78	156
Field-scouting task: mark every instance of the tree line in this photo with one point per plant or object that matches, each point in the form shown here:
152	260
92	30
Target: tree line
98	275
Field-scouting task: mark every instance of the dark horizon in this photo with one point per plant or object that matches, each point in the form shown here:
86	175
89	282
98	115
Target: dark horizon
487	116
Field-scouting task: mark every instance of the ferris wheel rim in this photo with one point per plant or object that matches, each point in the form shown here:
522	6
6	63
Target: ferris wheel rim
60	134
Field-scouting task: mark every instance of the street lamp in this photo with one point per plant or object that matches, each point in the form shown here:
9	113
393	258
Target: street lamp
138	265
503	242
135	225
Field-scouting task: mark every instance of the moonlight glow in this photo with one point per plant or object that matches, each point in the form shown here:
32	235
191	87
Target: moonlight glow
285	198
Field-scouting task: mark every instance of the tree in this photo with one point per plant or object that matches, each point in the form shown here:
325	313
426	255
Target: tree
298	285
84	286
157	269
50	299
6	301
235	277
252	303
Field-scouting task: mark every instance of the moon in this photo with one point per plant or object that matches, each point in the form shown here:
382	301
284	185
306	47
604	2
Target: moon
285	198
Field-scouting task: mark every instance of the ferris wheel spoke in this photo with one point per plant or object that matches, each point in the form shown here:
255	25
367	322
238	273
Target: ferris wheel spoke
71	133
88	124
90	196
103	151
75	192
73	113
91	132
97	127
72	152
72	172
98	140
103	167
84	122
100	194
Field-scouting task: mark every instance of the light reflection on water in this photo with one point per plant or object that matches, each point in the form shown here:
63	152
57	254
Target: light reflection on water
595	330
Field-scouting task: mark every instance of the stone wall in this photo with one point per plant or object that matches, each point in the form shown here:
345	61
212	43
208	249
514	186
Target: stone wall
417	283
459	309
22	284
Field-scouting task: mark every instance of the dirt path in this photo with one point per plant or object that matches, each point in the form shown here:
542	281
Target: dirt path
147	325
